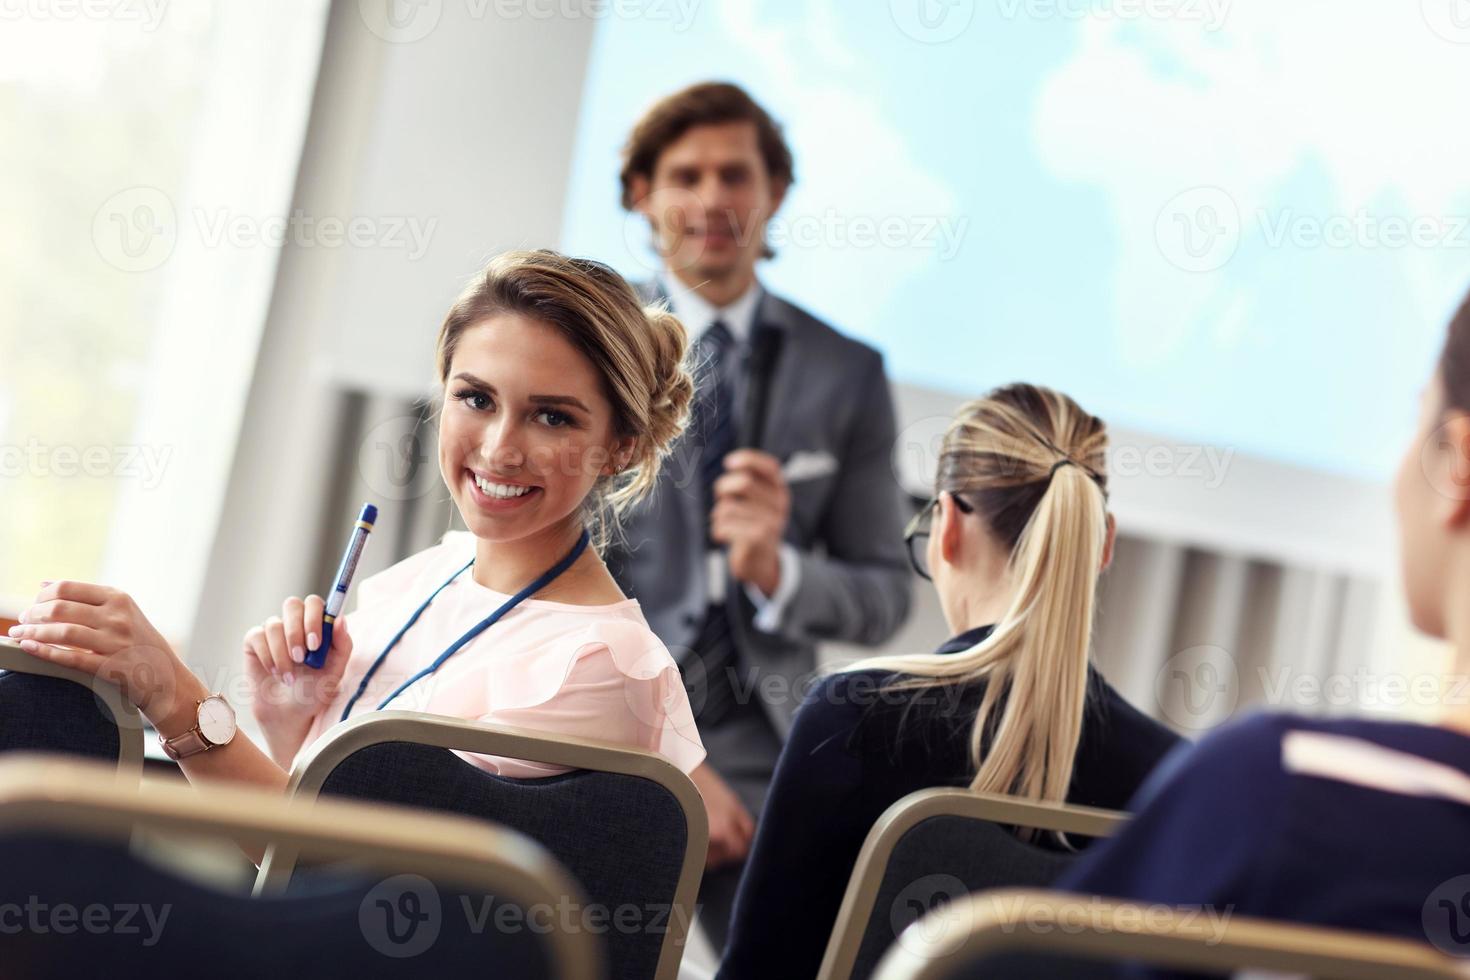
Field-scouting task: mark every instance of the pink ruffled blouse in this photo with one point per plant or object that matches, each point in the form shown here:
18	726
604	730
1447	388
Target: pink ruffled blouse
591	671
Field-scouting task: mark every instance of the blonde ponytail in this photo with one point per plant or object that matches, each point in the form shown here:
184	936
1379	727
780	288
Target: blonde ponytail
1031	462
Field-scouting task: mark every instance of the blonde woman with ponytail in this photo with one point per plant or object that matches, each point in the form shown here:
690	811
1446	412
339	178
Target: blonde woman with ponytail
1014	541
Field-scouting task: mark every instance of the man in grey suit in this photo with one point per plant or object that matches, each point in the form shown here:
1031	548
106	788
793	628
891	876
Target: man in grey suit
756	544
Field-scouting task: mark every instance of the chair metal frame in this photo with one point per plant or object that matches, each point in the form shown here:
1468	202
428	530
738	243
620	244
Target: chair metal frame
1010	921
129	721
872	861
311	770
40	793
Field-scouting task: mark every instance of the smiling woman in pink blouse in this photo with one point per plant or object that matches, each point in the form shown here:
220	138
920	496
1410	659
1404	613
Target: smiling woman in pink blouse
561	395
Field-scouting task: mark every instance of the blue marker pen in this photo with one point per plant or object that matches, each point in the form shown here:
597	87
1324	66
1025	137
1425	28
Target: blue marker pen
316	658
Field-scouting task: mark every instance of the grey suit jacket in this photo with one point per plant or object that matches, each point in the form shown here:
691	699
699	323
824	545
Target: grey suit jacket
828	394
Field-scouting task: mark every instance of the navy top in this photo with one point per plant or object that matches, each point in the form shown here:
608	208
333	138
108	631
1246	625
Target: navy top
855	750
1347	823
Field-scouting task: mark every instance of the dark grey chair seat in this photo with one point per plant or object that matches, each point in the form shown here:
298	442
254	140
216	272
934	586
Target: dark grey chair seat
46	708
1015	933
414	894
93	909
626	824
935	847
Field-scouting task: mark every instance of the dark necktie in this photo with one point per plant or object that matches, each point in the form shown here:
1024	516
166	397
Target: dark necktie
709	680
715	411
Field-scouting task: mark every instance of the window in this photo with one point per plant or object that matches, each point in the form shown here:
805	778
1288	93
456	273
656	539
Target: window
140	142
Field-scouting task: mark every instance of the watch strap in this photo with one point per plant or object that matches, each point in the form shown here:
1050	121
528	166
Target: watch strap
185	745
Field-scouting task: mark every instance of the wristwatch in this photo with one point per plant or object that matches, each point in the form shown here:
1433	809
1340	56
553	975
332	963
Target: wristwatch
214	725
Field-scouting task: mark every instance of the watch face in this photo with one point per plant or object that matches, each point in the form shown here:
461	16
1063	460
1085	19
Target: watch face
216	720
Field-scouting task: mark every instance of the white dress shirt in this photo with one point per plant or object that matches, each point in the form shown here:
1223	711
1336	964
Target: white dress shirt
698	315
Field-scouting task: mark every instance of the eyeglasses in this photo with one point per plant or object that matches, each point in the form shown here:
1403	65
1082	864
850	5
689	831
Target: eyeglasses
916	535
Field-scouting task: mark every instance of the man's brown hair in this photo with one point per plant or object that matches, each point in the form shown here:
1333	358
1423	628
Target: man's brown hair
1454	361
704	104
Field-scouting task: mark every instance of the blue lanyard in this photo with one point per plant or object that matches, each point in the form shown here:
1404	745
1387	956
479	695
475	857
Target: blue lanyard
547	577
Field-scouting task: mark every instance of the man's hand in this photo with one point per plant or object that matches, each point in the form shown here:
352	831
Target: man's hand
730	824
752	507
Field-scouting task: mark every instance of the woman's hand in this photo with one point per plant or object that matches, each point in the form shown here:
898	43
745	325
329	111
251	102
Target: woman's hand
102	632
285	688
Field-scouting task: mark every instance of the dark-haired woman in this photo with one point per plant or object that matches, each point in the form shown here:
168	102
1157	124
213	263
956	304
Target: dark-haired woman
1358	824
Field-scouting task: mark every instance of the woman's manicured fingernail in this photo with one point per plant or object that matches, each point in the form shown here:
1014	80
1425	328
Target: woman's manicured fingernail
29	646
311	641
298	654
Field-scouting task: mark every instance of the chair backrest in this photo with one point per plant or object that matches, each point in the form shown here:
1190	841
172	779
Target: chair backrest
46	707
628	825
938	845
967	940
64	827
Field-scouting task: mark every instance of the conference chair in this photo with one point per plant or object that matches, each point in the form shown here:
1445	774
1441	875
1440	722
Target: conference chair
460	898
627	824
1016	933
44	706
938	845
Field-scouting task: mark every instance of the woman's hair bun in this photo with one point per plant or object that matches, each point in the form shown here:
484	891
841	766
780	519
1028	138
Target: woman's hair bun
672	391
